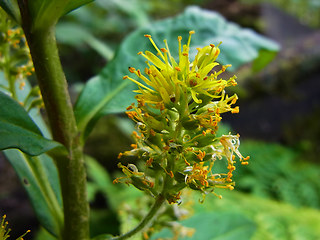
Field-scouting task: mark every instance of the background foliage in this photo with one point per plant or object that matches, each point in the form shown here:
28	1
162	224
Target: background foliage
277	195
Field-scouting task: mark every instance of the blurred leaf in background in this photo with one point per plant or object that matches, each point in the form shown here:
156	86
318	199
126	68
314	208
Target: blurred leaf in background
307	11
109	93
279	173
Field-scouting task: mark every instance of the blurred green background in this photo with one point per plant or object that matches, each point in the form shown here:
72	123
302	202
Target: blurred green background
278	195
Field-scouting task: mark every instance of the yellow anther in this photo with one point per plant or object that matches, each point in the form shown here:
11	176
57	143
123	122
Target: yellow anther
131	69
149	162
235	110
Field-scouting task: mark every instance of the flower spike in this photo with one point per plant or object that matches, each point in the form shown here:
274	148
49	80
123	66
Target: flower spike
180	103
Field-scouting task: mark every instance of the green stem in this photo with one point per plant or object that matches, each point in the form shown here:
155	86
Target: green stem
54	90
145	221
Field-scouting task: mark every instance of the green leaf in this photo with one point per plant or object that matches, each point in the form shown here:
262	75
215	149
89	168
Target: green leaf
74	4
106	94
216	226
46	13
103	237
39	177
100	92
274	219
75	34
221	226
264	58
102	182
17	130
12	9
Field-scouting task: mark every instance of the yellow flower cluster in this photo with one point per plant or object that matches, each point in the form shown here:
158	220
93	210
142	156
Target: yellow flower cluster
4	232
15	53
16	64
179	108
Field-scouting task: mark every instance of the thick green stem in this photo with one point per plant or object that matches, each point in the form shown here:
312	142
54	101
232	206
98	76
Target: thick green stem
145	221
58	106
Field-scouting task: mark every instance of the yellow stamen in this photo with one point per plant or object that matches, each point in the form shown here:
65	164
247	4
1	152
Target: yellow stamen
138	83
154	45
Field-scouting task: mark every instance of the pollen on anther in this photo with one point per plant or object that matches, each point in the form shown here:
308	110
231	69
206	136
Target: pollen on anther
125	77
133	145
147	35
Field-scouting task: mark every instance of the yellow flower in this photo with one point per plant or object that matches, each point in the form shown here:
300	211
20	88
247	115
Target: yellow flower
178	144
167	80
4	232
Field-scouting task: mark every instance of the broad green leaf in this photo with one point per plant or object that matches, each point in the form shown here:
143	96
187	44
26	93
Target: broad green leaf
11	8
106	93
24	96
216	226
38	174
17	130
273	219
39	177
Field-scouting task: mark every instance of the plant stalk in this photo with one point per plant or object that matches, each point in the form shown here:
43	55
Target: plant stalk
54	90
146	220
